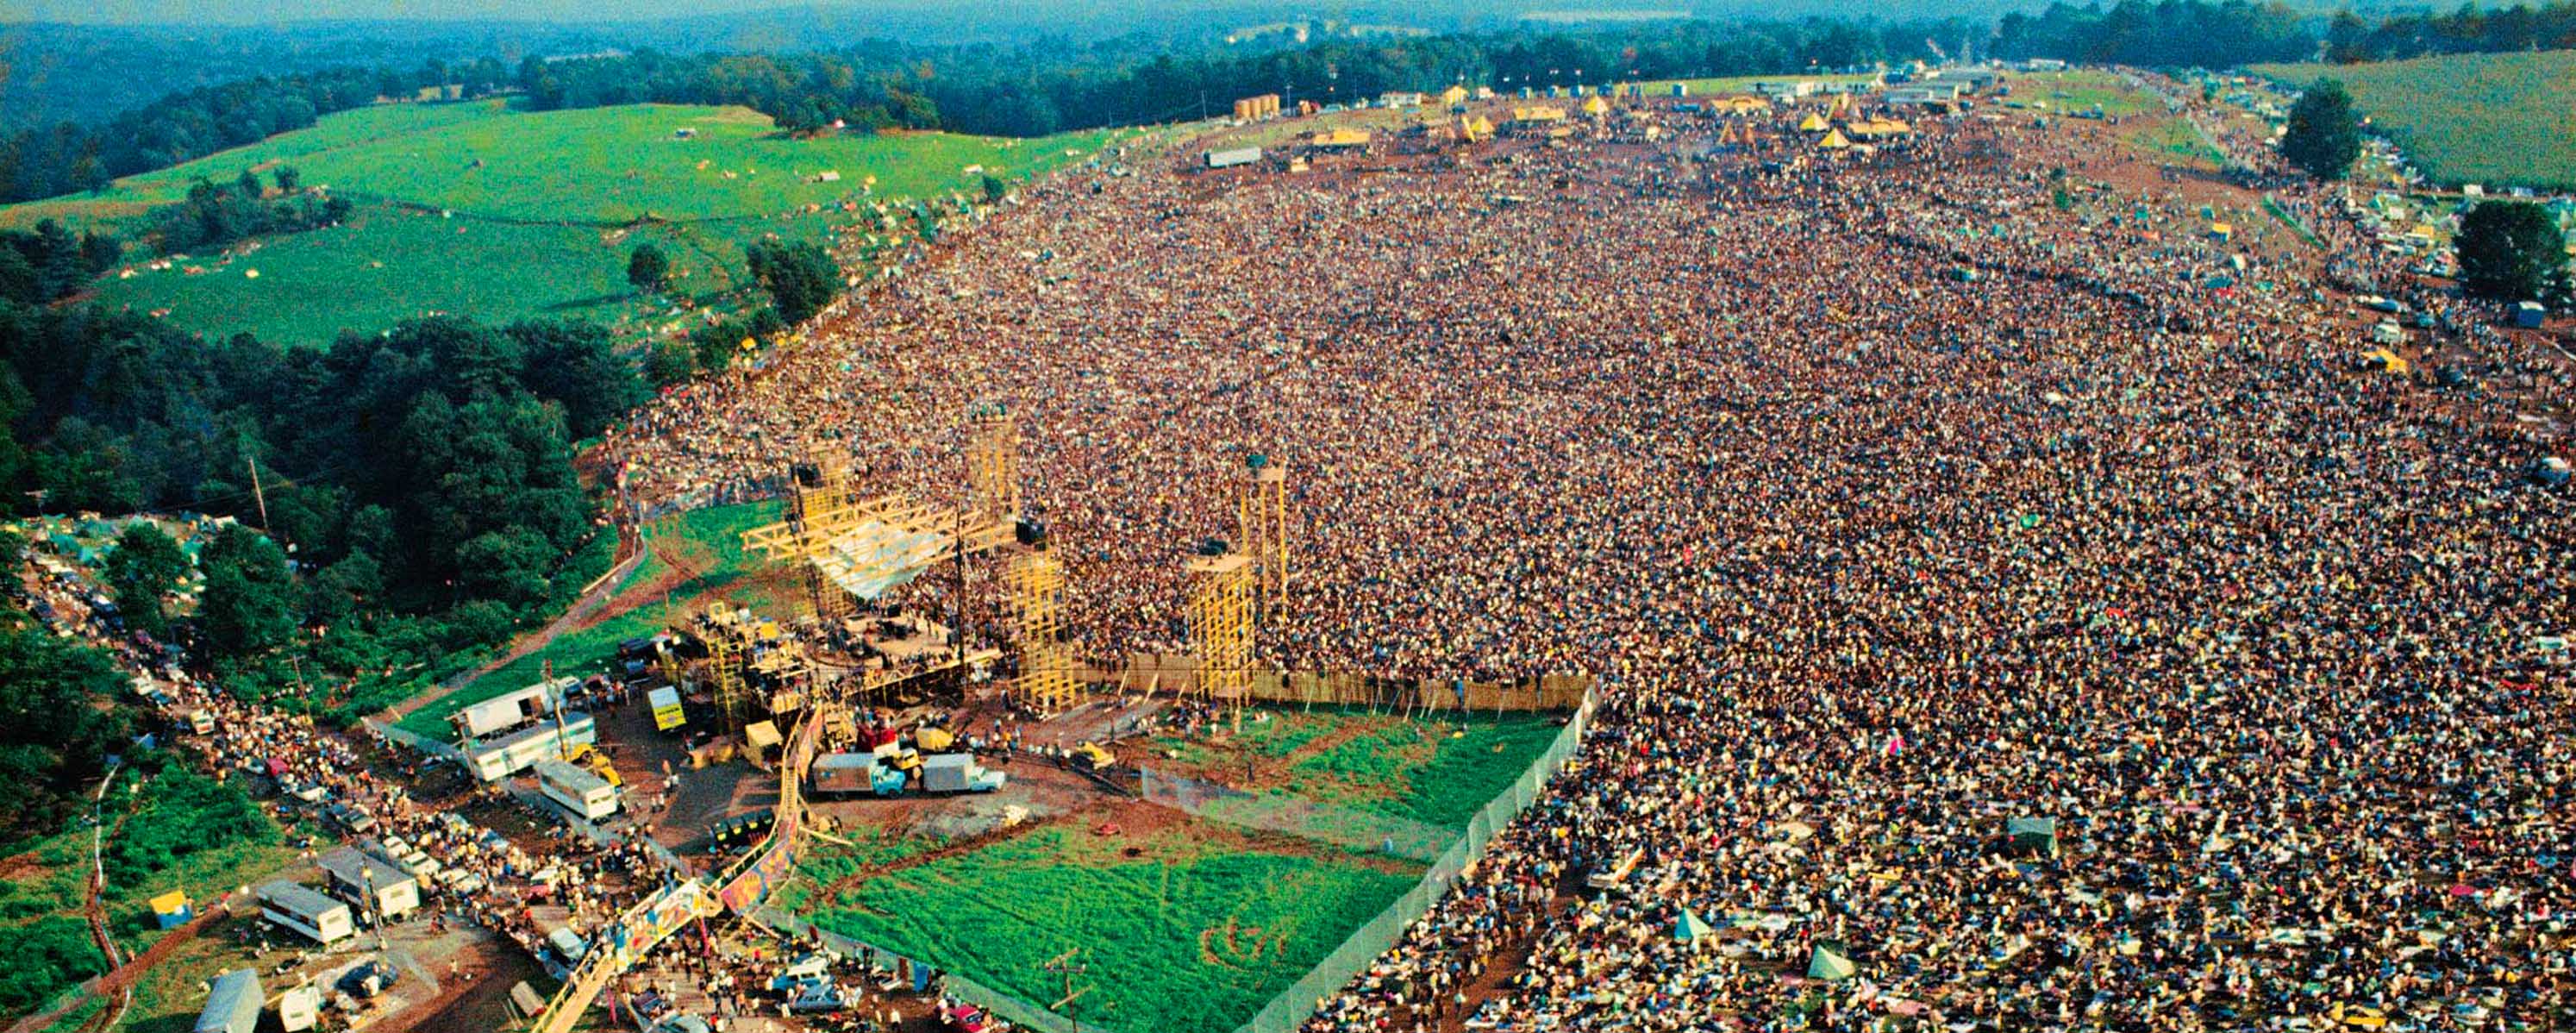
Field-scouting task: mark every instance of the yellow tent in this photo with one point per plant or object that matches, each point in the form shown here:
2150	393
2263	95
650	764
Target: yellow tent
1475	128
933	740
1454	95
1813	123
1833	141
2387	360
1595	106
1741	105
1540	113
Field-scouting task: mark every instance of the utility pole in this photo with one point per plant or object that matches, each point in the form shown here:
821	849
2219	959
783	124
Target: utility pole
1063	965
257	492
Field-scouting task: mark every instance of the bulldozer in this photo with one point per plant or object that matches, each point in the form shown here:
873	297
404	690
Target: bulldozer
589	757
1091	756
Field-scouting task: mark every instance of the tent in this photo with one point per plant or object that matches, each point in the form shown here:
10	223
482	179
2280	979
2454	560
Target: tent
1813	123
1831	962
1596	107
2036	835
171	910
1833	141
1689	928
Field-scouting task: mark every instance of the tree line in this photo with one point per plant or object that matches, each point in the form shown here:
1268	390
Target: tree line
218	214
1056	85
2159	34
2467	30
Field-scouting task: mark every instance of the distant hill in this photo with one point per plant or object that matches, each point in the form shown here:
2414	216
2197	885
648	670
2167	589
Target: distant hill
2492	119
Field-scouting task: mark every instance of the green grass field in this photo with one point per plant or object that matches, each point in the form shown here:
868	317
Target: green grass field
2083	90
40	900
708	540
534	213
1437	772
2493	119
1189	930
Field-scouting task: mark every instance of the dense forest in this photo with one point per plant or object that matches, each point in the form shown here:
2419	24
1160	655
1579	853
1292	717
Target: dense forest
2467	30
2163	34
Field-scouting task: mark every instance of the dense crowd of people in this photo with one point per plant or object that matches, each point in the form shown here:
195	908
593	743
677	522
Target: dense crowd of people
1891	498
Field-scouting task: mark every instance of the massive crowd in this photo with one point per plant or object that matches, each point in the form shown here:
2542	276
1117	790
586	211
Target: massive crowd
1891	496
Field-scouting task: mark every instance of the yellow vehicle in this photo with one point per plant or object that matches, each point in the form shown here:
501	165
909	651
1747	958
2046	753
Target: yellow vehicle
597	762
1091	756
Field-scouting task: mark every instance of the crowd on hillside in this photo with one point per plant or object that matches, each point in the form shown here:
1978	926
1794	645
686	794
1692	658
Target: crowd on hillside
1890	500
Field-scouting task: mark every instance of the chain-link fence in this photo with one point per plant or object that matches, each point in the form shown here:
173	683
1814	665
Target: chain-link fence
1293	1005
1297	816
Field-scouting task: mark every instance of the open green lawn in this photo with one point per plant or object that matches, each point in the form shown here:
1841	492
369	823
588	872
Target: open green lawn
533	214
1438	772
2493	119
2083	90
709	540
1189	930
383	266
386	126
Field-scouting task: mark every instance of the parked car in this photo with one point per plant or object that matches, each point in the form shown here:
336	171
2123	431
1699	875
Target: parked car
825	997
349	819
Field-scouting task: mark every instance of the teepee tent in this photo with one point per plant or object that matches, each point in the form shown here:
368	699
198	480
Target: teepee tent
1689	928
1833	141
1831	962
1813	123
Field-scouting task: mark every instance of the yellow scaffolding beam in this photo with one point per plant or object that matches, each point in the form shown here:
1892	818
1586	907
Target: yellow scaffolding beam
1221	624
827	491
993	464
1261	521
1046	662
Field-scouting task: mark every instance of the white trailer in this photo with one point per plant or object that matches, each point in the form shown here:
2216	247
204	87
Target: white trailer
500	758
1230	158
355	874
301	908
581	792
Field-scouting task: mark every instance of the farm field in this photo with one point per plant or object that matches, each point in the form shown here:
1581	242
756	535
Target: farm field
1189	927
2492	119
479	210
697	556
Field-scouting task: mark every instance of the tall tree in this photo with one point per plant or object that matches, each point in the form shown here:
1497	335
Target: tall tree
2509	250
144	567
647	268
250	593
2324	134
801	277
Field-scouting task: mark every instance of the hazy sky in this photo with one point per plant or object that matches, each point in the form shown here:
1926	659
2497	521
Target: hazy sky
246	12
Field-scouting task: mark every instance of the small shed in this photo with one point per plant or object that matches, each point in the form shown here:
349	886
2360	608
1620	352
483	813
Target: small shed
172	910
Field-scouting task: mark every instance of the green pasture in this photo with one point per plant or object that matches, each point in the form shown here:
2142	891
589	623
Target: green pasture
479	210
2083	90
2492	119
709	540
1440	772
1189	930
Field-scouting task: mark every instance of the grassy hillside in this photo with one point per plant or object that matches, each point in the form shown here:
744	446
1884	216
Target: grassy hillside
480	210
2494	119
